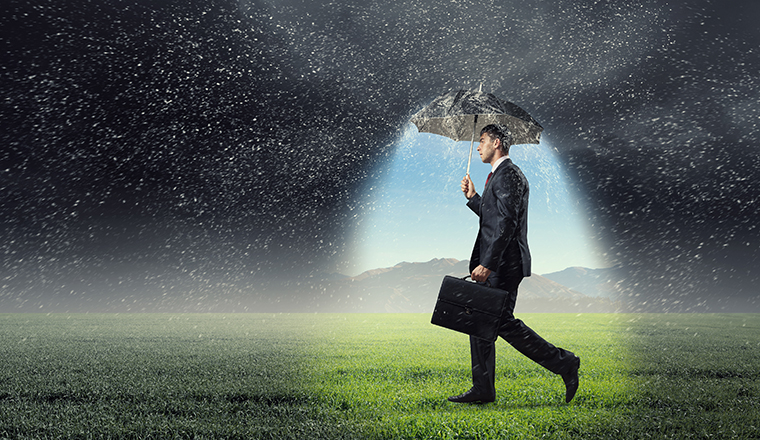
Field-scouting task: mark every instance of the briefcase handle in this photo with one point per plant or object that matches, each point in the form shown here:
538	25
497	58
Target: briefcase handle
487	283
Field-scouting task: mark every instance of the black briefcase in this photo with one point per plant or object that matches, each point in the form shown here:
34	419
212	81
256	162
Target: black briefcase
468	307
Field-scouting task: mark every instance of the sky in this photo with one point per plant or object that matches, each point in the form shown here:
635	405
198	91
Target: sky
197	155
418	213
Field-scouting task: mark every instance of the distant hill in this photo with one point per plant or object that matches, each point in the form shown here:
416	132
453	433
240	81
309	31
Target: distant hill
413	287
597	283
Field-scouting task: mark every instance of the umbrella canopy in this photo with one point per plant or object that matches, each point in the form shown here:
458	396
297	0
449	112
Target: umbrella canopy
454	115
461	114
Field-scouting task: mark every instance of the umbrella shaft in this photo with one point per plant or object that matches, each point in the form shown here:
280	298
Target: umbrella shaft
472	141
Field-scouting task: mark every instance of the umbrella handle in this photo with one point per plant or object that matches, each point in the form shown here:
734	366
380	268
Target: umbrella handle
472	141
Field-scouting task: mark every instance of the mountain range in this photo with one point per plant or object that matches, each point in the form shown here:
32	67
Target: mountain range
413	287
597	283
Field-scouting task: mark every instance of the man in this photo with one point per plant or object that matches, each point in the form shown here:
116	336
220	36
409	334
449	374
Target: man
501	257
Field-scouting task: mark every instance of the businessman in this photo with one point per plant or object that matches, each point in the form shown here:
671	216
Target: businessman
501	257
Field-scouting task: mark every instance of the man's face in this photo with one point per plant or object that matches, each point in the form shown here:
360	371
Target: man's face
487	148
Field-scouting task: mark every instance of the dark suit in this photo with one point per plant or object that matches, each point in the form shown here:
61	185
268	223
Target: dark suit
502	247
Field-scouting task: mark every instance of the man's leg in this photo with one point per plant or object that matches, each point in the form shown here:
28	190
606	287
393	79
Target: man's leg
483	353
528	342
483	358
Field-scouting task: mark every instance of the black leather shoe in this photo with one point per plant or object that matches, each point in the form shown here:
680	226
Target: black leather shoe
571	379
471	396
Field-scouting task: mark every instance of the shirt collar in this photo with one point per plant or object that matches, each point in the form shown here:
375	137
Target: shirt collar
498	162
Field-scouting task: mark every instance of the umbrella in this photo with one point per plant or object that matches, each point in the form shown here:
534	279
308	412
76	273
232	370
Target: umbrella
460	114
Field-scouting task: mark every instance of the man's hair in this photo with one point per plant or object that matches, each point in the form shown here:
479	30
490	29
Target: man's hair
501	132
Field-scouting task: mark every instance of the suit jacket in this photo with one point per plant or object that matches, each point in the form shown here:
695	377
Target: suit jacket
502	243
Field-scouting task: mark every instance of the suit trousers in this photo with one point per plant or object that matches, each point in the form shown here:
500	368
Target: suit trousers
519	336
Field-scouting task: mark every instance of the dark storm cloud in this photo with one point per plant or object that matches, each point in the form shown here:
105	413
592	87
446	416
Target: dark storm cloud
670	177
180	154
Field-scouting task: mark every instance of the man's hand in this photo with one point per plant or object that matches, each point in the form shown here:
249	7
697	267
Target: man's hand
467	187
480	274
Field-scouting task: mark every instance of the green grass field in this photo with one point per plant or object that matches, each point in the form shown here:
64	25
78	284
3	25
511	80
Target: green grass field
370	376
